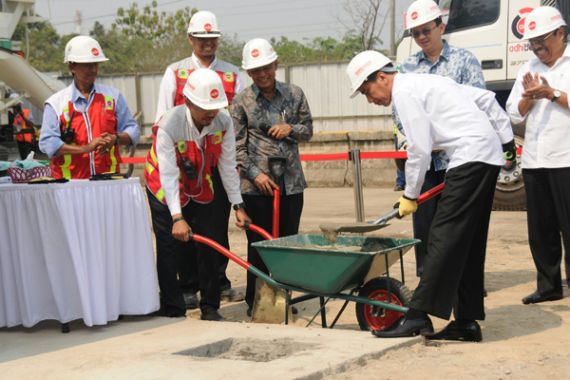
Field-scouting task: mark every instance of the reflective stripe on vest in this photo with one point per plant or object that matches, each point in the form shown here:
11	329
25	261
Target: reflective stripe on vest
65	172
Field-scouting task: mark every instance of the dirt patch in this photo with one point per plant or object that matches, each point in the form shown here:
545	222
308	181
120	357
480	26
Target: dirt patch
255	350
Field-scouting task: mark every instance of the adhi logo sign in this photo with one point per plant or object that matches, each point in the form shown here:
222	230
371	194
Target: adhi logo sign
414	15
255	53
208	27
517	26
95	52
214	94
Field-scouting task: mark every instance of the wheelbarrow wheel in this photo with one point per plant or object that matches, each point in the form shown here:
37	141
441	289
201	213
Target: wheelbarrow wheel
384	289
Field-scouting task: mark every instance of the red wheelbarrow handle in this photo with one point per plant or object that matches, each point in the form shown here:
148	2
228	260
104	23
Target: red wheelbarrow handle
235	258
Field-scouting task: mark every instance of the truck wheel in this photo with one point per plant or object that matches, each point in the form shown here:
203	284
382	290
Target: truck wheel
509	191
376	318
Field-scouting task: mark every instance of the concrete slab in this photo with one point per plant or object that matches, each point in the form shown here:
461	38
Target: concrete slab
153	352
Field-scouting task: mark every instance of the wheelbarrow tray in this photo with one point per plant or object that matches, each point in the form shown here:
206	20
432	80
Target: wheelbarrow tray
311	262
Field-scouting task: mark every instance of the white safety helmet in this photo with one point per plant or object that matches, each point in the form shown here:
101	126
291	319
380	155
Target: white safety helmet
542	20
421	12
83	49
257	53
204	88
204	24
364	64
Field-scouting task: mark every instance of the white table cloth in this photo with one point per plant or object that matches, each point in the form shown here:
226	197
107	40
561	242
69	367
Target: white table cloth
76	250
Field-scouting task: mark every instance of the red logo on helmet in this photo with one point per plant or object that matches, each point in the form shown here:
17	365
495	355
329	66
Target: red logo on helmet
532	25
208	27
95	52
214	94
414	15
255	53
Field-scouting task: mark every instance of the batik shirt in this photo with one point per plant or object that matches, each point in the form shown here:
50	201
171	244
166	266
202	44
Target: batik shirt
455	63
253	114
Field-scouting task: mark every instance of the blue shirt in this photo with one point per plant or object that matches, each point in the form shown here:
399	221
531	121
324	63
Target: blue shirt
456	63
50	137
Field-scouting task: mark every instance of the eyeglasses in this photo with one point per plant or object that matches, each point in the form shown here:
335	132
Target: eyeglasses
540	41
426	32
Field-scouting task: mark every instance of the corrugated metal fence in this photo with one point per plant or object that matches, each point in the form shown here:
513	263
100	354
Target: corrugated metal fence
325	85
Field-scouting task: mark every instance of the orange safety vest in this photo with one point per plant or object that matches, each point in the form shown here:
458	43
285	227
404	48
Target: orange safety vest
204	159
99	118
20	124
228	80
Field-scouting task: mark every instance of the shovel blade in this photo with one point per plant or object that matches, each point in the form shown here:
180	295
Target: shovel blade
269	304
361	227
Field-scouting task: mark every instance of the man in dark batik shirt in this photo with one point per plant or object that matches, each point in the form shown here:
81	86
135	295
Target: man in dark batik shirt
270	118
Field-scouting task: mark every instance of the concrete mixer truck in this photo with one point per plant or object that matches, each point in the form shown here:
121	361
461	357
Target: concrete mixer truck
17	77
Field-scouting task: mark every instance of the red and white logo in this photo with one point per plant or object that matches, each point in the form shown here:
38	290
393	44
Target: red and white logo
208	27
532	25
414	15
255	53
214	94
95	52
517	26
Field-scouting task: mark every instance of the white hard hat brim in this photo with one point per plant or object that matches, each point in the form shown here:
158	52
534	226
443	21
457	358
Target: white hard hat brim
223	103
205	34
263	62
85	60
386	69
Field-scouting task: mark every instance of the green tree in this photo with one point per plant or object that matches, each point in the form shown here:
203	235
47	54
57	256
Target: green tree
42	45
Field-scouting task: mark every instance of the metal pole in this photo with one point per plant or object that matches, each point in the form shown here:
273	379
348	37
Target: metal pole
393	28
354	155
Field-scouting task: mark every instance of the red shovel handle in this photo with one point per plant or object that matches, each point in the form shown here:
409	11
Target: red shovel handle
434	191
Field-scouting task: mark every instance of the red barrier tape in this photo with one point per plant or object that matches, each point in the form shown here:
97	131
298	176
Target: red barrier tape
317	157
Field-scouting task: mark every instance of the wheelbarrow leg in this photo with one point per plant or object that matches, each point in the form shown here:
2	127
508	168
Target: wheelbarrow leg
323	312
344	305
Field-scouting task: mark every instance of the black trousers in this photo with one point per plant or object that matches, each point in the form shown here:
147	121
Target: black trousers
548	217
260	210
423	218
453	273
203	221
187	261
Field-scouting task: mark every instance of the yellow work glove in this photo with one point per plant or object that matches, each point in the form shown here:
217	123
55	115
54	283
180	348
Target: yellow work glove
407	206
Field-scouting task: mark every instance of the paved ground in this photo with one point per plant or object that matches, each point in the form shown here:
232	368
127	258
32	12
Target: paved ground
519	341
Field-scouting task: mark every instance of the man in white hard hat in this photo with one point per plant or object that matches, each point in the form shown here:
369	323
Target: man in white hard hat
469	125
84	123
270	117
203	35
423	21
191	141
540	99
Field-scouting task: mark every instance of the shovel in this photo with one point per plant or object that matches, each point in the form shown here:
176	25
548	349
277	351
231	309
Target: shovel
331	230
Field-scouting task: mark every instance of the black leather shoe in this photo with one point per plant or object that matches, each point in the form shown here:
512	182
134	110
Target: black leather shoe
462	331
211	315
405	328
538	297
191	300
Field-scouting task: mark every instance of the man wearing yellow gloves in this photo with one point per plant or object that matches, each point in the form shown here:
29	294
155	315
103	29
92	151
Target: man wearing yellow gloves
469	125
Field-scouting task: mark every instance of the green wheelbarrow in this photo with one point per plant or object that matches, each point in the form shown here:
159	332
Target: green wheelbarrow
354	268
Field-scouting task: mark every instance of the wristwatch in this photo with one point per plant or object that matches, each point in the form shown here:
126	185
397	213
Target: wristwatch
238	206
555	95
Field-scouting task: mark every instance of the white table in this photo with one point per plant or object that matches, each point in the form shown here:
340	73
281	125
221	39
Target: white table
77	250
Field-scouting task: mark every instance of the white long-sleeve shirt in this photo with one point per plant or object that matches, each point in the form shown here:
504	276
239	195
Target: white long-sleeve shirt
546	140
177	125
439	114
167	89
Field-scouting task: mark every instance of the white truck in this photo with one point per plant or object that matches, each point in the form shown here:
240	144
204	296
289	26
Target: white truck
493	31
